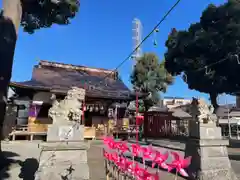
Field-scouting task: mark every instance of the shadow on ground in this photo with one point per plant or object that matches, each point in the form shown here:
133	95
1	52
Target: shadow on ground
7	162
10	161
28	169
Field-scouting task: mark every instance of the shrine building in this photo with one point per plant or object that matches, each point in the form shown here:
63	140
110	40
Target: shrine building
103	89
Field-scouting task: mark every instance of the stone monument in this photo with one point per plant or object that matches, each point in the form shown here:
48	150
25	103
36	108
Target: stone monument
208	149
64	155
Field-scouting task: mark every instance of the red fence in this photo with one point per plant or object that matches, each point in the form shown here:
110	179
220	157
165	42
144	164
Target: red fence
163	124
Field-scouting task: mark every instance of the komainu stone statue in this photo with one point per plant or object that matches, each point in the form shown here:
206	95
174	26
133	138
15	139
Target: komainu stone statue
206	145
202	112
68	109
65	148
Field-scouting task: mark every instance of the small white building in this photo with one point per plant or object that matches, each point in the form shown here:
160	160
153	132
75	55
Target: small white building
172	102
229	120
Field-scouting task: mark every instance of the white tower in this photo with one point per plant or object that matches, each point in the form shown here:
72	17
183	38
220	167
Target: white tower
137	38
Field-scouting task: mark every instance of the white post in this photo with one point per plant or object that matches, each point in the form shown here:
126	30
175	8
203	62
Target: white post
229	124
237	129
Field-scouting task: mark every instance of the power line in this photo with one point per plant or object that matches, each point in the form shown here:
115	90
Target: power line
220	61
145	38
214	63
130	55
206	67
209	65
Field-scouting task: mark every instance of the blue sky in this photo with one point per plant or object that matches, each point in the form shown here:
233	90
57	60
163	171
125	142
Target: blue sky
101	36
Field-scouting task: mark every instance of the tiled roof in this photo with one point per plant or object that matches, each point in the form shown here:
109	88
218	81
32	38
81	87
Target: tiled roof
59	78
172	97
158	109
179	113
235	112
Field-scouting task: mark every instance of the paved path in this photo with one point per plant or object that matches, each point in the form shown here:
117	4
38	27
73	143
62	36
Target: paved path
233	151
234	156
95	162
20	168
22	160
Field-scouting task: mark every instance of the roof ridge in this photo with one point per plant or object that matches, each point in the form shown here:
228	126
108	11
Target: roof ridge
73	67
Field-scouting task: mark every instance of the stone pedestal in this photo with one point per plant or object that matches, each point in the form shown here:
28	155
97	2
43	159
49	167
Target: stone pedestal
69	131
64	155
209	153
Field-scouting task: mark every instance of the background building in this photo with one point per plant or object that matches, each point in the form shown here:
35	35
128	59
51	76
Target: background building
172	102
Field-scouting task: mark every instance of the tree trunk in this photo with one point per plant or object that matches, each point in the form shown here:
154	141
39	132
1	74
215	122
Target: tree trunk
146	105
9	25
213	98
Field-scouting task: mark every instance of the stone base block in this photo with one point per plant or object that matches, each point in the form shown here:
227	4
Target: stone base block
210	160
217	175
63	161
66	132
60	172
204	131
